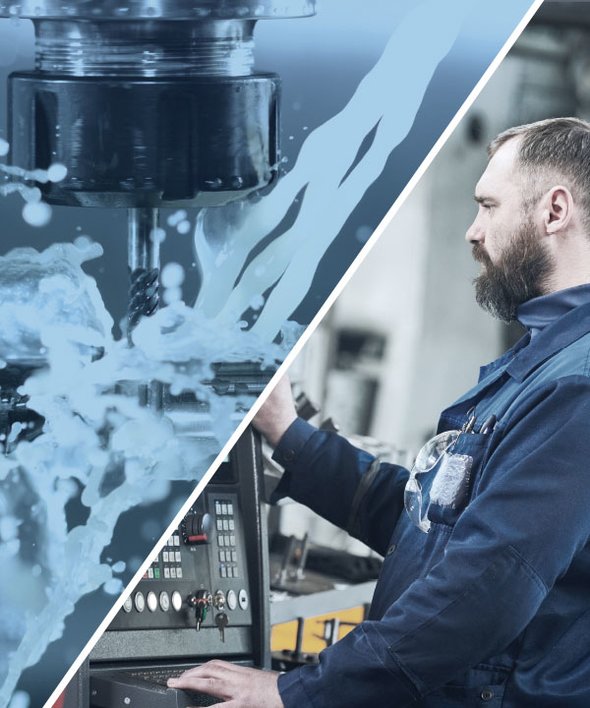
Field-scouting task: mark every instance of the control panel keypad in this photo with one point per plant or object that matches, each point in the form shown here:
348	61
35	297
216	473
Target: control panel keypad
168	564
226	539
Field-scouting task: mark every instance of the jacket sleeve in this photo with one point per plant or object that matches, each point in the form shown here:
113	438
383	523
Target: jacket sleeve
343	484
526	523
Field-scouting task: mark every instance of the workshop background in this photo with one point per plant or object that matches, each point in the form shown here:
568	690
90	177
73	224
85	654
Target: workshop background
405	336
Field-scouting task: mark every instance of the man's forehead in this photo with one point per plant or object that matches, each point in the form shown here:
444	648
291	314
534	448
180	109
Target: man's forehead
501	170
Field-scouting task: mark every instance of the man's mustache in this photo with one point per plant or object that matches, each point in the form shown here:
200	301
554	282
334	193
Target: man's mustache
480	254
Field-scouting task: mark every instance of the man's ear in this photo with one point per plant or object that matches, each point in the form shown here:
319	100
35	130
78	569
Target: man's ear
558	209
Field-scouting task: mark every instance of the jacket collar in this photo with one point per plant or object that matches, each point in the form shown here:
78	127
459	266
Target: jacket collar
561	333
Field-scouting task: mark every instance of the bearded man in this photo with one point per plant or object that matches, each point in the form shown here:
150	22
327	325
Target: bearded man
484	596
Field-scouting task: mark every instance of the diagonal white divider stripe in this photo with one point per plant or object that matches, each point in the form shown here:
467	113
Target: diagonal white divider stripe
299	345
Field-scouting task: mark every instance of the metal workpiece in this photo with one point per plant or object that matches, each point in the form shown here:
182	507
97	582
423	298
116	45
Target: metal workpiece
18	422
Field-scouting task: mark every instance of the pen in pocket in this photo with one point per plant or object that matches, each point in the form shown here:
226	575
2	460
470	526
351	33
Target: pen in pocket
488	426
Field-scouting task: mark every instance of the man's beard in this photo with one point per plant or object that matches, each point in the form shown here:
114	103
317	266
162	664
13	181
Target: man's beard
519	275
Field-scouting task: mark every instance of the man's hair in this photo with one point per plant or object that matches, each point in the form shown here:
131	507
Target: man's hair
552	151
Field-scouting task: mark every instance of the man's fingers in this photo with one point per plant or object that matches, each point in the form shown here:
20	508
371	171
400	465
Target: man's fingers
237	686
227	666
211	686
215	669
216	678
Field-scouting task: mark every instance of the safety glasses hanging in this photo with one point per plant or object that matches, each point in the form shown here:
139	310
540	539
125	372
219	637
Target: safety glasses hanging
428	457
426	460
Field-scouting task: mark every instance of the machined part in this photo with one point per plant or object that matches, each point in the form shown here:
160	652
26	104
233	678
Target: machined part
14	410
158	9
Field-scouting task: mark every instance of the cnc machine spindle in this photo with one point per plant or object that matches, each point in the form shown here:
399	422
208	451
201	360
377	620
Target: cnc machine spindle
149	105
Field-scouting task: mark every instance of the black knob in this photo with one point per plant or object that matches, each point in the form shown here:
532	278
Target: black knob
196	528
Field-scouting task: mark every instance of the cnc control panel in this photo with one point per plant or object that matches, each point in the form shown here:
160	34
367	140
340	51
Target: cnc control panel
200	573
203	596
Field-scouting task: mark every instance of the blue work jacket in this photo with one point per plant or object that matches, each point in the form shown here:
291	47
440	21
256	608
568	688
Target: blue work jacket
491	606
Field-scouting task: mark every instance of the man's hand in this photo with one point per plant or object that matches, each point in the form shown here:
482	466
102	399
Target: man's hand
277	413
238	686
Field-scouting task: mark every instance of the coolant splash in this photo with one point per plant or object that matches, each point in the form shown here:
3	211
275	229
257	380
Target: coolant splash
52	319
35	212
325	185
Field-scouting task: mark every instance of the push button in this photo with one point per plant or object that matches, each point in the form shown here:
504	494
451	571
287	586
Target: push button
176	601
152	601
139	601
164	601
232	600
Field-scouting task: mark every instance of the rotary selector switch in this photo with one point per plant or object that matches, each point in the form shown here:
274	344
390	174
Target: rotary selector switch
196	528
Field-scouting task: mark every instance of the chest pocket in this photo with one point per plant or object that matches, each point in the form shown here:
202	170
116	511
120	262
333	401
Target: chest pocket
451	481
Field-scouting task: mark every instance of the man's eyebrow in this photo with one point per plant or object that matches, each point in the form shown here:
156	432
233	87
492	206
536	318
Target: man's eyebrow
479	198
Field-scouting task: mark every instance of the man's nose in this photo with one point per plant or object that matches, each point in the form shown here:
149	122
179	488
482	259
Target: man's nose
474	233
